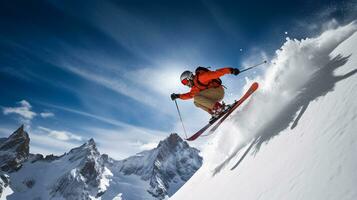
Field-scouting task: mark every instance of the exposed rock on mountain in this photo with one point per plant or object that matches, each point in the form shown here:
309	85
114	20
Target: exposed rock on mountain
14	150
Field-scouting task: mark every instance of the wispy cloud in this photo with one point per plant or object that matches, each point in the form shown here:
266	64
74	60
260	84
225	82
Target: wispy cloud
151	83
128	127
89	115
134	33
137	34
120	142
222	20
47	114
60	135
24	110
123	142
44	144
25	113
116	84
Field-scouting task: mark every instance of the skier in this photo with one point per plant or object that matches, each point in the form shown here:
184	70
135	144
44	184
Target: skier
206	89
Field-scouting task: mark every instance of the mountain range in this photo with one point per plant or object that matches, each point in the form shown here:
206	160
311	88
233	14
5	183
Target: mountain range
84	173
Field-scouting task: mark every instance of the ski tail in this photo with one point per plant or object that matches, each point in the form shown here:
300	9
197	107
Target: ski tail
198	133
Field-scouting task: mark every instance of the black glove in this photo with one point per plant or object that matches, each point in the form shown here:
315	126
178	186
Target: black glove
174	96
235	71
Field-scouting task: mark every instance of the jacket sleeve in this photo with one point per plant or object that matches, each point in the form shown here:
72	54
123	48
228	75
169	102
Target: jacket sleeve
207	76
190	94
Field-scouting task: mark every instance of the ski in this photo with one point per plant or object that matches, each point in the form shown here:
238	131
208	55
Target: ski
224	115
250	91
202	130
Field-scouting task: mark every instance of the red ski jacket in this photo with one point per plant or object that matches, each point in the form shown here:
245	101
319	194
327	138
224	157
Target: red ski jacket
205	80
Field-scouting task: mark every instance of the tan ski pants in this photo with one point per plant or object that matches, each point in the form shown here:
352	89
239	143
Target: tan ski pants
207	98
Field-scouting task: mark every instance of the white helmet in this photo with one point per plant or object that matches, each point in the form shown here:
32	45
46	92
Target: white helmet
186	76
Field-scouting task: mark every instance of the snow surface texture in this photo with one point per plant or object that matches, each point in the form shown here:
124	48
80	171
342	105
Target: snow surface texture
305	116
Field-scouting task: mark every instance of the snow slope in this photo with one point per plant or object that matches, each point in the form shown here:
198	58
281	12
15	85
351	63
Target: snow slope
305	116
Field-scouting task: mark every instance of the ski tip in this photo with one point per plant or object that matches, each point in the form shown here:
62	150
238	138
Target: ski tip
255	85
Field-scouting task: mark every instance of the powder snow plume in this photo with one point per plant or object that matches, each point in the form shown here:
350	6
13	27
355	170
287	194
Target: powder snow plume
295	76
304	103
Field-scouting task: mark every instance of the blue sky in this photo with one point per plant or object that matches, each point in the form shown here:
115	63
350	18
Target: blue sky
74	70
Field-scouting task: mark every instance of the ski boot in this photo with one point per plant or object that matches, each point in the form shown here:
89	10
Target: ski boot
217	111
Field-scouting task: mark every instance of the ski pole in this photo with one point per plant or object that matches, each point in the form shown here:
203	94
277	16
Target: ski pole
254	66
183	126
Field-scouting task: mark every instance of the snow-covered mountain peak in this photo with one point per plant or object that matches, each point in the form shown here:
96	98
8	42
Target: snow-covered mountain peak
78	174
87	149
19	140
14	150
91	143
19	133
166	168
173	142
